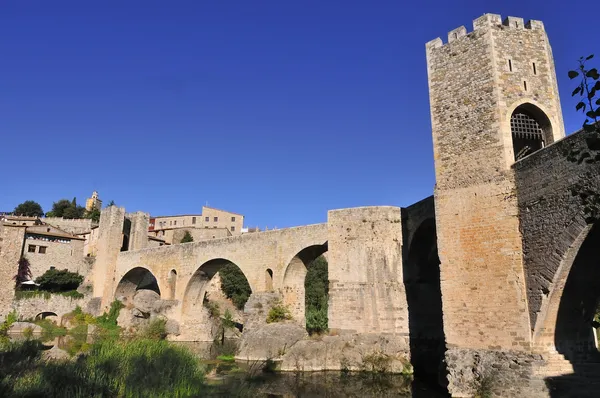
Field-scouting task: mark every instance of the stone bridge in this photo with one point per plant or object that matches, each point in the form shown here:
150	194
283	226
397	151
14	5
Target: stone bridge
364	251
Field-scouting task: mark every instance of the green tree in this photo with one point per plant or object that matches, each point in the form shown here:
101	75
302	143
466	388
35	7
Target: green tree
54	280
74	212
316	287
23	272
58	208
94	215
29	208
235	285
187	237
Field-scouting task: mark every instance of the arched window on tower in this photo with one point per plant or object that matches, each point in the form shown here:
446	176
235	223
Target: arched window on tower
531	130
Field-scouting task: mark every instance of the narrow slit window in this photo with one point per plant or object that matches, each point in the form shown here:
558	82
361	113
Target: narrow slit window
525	85
534	70
510	65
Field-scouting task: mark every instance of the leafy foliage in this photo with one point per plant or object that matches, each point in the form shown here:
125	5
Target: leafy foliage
316	287
187	237
278	313
156	329
93	214
29	208
135	368
54	280
587	89
23	272
213	309
235	285
11	318
66	209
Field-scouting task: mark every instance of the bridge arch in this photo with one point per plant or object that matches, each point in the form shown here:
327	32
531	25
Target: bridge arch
575	299
421	269
138	278
195	316
294	276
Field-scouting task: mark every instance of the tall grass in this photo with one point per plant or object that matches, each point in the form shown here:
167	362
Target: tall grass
136	368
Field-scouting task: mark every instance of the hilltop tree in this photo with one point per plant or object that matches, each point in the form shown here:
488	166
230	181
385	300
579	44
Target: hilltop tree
67	209
29	208
58	208
187	237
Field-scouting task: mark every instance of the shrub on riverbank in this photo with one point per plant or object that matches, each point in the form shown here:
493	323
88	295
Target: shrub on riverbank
135	368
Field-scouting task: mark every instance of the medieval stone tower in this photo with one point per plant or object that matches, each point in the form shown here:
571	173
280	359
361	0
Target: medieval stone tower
494	100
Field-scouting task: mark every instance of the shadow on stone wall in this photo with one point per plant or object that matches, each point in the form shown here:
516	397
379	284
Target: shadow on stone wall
574	338
422	282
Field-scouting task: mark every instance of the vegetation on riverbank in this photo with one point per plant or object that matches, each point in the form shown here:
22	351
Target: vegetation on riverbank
130	368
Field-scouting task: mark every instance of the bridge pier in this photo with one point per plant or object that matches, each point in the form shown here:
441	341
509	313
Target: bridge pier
366	289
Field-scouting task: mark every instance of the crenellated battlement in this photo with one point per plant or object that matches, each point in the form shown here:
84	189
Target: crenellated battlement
484	22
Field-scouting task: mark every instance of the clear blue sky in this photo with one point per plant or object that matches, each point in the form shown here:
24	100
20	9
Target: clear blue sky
279	110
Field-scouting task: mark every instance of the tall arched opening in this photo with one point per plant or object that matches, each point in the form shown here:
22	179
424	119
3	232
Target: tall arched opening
138	278
574	336
198	308
531	130
294	290
423	294
172	284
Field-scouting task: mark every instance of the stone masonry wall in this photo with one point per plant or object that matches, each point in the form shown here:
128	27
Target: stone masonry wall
67	256
138	235
110	240
73	226
366	290
475	201
12	246
552	222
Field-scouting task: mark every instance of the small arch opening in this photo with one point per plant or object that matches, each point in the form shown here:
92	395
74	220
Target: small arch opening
269	280
531	130
46	314
172	283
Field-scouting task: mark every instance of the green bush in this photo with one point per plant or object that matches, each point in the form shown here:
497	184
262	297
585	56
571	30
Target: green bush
235	285
107	322
213	309
316	287
50	329
136	368
278	313
316	320
55	280
11	318
187	237
156	329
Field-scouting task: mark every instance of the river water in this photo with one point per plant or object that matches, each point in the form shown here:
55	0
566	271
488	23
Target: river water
226	378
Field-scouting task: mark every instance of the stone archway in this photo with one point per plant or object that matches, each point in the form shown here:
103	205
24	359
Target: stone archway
573	333
195	316
294	277
138	278
47	314
421	270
